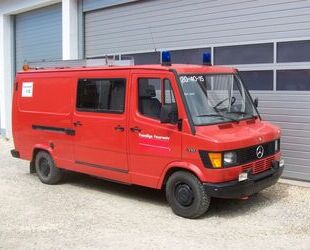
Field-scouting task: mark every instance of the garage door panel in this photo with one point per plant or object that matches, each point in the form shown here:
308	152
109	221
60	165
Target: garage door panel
284	104
278	111
184	23
38	35
205	12
295	140
294	162
286	118
190	35
177	30
296	175
295	154
295	147
296	133
295	126
282	96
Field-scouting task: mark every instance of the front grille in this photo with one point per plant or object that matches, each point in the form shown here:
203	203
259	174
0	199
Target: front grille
260	165
246	155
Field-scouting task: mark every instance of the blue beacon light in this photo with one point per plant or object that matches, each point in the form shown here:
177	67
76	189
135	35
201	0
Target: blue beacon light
206	58
166	58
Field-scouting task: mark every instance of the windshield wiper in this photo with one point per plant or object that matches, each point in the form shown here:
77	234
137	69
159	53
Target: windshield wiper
218	115
241	113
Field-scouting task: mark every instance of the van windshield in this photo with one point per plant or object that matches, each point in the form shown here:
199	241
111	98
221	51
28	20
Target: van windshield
216	98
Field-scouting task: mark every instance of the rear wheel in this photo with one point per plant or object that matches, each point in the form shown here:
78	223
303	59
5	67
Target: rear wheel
47	172
186	195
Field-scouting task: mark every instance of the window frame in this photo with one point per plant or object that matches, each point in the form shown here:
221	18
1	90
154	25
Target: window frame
87	110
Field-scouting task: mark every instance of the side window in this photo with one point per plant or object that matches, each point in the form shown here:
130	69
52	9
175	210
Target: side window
168	93
101	95
149	97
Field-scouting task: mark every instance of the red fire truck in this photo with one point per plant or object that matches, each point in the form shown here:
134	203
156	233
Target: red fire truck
192	130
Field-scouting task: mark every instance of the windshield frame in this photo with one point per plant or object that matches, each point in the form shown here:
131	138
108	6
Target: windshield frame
188	112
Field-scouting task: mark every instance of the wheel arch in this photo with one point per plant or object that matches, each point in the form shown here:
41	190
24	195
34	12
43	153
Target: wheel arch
40	147
179	166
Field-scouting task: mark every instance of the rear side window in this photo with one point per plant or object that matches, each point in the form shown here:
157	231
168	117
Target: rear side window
101	95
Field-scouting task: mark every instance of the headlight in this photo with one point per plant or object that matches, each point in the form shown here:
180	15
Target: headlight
276	145
230	158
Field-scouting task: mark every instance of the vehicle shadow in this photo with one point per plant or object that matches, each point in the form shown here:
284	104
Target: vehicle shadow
230	208
226	208
118	189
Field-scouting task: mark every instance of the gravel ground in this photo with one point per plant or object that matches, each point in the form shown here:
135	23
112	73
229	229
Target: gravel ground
85	212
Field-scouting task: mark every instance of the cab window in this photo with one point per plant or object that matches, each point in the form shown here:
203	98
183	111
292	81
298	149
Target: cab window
153	93
101	95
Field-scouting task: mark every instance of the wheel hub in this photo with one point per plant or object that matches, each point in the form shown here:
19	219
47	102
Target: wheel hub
44	167
184	194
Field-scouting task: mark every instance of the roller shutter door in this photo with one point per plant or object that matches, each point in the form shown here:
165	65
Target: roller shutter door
290	111
38	35
142	26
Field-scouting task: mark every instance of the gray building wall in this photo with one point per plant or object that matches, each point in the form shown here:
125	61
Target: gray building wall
38	35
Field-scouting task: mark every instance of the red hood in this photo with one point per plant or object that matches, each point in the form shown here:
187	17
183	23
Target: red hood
238	135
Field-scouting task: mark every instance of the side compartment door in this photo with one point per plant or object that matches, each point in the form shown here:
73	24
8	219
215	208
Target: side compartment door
101	127
153	145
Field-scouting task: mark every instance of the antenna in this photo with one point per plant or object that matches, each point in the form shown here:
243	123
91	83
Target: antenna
153	41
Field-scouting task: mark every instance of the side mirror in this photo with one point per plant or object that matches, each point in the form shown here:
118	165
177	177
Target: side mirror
256	102
169	114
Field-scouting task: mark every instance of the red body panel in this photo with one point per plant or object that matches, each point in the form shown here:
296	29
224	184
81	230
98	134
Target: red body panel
96	148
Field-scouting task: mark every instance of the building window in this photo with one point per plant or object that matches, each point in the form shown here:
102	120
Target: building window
144	58
188	56
297	51
101	95
150	97
298	79
244	54
257	80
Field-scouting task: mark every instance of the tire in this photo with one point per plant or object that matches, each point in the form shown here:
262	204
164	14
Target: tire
46	170
186	195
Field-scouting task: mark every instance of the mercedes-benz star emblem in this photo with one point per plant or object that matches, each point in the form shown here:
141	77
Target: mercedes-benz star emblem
259	151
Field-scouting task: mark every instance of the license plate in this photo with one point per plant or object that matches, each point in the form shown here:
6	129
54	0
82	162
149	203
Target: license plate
243	176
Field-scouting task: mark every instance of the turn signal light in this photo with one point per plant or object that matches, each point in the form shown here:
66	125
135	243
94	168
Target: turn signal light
216	159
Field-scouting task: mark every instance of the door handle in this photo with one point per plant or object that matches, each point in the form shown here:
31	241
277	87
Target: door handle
135	129
77	124
119	128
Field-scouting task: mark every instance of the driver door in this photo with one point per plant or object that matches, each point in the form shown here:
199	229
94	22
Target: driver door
153	145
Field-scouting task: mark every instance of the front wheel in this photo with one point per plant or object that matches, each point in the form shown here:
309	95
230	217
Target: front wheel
186	195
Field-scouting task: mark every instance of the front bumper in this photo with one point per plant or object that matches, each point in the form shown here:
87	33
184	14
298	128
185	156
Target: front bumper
239	189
